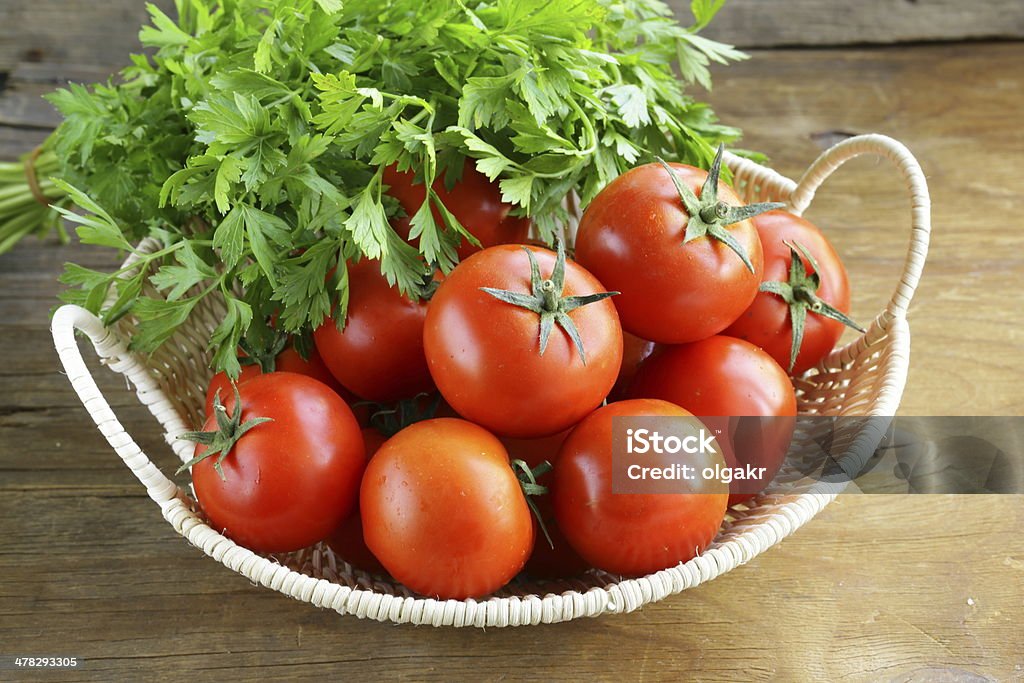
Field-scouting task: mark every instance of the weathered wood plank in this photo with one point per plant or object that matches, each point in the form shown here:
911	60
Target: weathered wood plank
755	23
25	117
17	141
22	106
58	73
129	593
71	31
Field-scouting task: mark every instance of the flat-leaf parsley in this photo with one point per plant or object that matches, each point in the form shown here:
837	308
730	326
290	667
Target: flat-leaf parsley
252	142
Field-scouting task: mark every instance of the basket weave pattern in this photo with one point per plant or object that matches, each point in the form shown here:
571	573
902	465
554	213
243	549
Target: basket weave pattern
866	377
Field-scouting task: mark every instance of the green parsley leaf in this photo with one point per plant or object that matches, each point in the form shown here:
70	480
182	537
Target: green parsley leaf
250	142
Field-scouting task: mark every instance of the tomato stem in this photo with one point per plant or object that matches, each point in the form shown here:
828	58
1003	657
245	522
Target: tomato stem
707	216
527	477
546	300
263	352
550	295
391	419
428	284
800	293
230	429
713	214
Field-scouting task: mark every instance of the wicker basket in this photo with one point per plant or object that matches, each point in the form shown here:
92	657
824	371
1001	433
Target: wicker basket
865	377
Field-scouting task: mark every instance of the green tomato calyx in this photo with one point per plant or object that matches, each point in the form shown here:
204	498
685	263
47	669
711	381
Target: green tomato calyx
263	350
708	217
527	477
389	419
230	429
546	300
800	293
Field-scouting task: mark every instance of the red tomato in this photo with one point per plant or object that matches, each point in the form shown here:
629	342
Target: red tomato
443	511
347	540
379	356
546	562
635	533
474	201
633	239
288	360
485	356
723	377
634	351
768	322
290	482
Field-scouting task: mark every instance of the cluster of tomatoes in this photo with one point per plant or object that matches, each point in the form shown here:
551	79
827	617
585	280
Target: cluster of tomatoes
457	441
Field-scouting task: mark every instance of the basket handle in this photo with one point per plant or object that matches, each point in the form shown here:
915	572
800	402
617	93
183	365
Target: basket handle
921	223
66	320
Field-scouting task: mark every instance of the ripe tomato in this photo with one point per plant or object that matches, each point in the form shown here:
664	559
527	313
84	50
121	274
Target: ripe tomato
679	277
474	201
631	533
286	483
289	360
483	350
347	540
634	351
723	377
818	295
443	511
557	559
379	356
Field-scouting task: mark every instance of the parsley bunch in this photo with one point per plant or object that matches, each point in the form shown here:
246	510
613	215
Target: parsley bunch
252	142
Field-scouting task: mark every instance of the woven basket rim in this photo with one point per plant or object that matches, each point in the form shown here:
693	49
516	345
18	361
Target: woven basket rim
766	521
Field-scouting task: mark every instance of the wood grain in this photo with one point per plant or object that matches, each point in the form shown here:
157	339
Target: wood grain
71	31
756	23
899	588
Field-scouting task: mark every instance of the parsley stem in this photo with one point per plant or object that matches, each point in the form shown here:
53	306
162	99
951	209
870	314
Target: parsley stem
408	99
146	259
588	127
13	203
422	112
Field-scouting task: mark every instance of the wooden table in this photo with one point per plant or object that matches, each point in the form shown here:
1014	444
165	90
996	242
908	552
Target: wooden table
905	588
